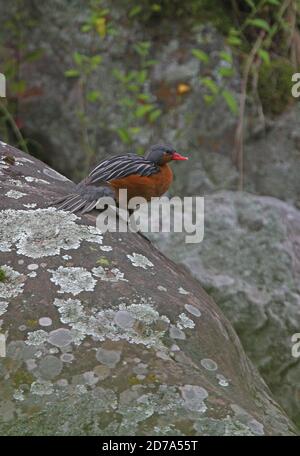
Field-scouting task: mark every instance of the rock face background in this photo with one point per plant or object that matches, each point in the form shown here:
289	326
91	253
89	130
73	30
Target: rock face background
249	261
249	258
50	114
99	339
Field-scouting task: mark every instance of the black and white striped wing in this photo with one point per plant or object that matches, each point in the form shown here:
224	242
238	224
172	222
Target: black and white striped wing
121	166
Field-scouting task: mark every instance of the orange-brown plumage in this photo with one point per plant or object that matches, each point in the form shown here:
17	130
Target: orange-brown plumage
145	186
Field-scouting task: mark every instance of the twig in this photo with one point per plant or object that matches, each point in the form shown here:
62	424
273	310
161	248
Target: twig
239	134
14	126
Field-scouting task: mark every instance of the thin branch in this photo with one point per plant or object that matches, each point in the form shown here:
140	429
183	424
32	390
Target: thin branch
14	127
239	134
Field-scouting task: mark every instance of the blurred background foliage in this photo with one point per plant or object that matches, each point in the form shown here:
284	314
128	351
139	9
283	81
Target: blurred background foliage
261	36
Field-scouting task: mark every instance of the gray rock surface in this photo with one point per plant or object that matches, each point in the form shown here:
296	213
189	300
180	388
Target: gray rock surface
101	338
249	261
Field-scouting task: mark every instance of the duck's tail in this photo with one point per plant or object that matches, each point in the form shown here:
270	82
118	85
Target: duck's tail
84	198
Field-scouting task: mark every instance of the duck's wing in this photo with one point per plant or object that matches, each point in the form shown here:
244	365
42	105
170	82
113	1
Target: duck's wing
121	166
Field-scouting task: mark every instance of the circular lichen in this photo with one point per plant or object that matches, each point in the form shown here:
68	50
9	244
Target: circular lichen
274	86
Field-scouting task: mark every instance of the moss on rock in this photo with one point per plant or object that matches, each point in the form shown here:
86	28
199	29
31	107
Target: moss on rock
3	276
274	86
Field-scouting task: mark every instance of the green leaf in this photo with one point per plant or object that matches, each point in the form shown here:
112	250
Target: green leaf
133	87
273	2
78	58
34	55
119	75
226	56
231	101
141	76
211	85
226	72
156	8
150	63
251	4
127	102
96	59
72	73
154	115
144	97
142	48
86	28
234	40
264	55
93	96
134	130
200	55
135	10
209	99
260	23
142	110
124	135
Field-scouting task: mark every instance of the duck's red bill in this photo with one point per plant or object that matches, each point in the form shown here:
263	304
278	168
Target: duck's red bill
177	156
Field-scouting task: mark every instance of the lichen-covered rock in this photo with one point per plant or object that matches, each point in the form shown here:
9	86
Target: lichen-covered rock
105	336
249	261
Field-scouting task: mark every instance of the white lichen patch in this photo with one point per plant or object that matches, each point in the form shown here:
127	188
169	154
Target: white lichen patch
60	337
67	357
15	194
194	396
30	205
33	267
72	280
138	323
13	284
3	307
209	364
124	319
19	395
161	288
45	321
222	380
193	310
140	261
176	333
50	367
16	183
43	232
106	248
42	388
184	321
54	174
109	275
37	337
109	358
32	275
183	291
66	257
36	180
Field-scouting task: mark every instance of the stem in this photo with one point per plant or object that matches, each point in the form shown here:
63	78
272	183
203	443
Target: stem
239	134
14	127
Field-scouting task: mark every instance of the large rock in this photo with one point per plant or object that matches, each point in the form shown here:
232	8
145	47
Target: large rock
105	336
249	261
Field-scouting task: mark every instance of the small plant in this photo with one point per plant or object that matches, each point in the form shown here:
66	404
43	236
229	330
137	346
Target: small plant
265	33
138	104
3	275
14	51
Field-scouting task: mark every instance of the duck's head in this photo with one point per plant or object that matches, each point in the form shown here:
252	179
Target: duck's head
163	153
